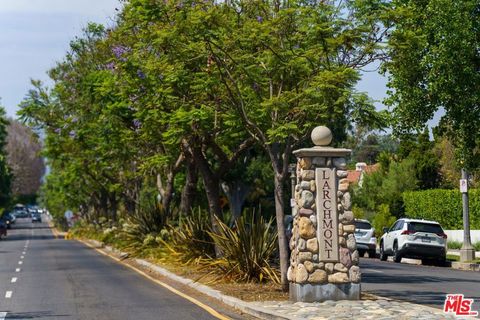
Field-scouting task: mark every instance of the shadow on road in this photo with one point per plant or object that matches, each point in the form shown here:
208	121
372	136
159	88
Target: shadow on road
34	315
27	227
20	237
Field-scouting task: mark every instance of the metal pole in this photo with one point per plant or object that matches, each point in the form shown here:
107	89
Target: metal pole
467	253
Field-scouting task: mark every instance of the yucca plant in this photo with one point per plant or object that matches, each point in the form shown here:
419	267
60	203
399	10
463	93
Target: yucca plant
191	240
247	248
146	223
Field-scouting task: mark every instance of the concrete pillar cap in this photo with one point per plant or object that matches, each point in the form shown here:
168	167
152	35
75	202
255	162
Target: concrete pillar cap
321	136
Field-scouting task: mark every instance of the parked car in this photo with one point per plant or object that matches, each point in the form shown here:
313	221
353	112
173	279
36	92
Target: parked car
365	237
412	238
3	229
36	217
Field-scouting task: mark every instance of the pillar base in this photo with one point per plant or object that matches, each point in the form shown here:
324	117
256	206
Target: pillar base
467	255
323	292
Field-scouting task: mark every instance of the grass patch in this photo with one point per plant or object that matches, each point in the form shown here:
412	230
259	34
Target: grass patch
454	245
452	257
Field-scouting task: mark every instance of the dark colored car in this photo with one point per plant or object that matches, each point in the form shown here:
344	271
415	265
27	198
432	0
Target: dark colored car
21	214
36	217
3	229
9	219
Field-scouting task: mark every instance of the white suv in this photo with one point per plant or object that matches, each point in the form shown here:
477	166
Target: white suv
411	238
365	238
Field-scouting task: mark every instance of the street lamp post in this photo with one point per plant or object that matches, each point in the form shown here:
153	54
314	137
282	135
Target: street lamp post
467	253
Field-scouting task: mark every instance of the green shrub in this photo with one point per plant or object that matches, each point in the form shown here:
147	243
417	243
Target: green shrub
382	218
476	245
454	244
247	248
444	206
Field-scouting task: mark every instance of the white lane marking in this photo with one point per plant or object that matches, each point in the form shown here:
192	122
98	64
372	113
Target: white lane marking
23	252
17	270
21	257
3	315
14	280
20	262
372	270
8	294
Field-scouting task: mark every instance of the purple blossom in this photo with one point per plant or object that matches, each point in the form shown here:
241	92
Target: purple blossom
260	19
120	50
110	66
140	74
72	134
74	119
58	130
137	124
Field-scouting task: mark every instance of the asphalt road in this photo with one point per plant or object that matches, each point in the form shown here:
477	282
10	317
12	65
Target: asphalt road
46	278
426	285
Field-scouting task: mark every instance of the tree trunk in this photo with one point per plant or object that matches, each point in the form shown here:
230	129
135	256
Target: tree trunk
282	237
212	189
104	204
236	192
189	190
167	195
112	199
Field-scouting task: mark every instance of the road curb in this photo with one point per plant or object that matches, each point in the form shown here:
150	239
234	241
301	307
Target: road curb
465	266
236	303
216	294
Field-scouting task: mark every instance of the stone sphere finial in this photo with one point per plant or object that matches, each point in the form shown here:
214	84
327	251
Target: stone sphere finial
321	136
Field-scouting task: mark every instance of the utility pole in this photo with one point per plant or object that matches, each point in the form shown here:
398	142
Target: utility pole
467	253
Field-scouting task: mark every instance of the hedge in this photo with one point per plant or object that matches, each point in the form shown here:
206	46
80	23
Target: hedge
444	206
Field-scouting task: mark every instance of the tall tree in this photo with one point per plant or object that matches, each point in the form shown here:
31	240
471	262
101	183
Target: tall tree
5	174
287	67
24	159
434	65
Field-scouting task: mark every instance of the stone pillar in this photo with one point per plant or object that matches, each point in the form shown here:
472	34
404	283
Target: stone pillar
324	258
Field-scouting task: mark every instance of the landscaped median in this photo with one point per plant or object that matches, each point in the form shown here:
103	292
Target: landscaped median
261	306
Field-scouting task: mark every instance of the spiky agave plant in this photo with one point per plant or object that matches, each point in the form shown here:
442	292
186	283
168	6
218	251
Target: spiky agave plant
247	248
190	240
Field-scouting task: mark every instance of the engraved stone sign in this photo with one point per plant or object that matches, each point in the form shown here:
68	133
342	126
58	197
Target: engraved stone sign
327	217
324	256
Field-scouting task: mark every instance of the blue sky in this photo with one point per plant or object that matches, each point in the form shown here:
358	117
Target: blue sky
34	34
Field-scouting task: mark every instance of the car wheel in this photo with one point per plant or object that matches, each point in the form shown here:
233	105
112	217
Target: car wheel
396	255
372	253
442	262
383	256
361	253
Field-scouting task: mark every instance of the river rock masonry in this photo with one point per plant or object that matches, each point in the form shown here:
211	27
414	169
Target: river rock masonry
324	257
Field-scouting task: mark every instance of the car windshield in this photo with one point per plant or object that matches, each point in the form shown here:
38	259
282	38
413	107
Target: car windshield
363	225
424	227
